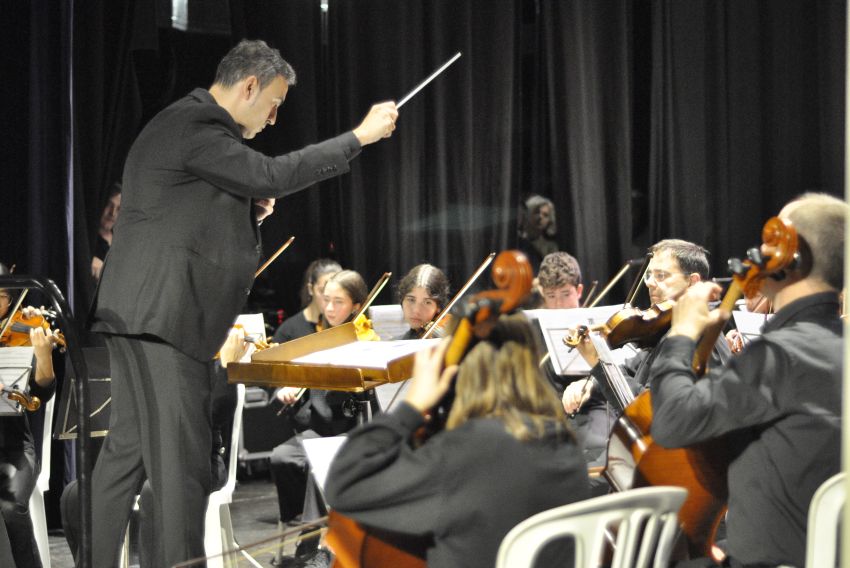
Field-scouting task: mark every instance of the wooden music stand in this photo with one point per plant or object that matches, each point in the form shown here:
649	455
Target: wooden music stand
314	362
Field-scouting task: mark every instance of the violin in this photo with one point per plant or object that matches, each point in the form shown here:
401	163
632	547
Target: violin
644	328
355	547
16	330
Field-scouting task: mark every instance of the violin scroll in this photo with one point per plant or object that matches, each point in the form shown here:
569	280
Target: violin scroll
31	403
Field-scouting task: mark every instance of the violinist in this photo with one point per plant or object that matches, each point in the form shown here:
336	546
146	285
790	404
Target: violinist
307	321
507	453
318	413
779	401
422	293
675	266
559	281
19	464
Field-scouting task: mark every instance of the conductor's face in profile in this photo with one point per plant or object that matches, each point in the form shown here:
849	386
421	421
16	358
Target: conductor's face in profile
258	107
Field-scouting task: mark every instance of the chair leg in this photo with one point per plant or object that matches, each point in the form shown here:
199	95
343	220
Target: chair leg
39	524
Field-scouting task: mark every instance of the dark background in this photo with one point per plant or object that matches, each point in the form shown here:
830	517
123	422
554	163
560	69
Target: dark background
640	119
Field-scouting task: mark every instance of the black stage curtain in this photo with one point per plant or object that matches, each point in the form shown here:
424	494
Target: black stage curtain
641	120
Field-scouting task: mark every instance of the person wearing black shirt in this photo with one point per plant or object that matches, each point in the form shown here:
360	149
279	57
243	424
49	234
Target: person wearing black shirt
19	462
507	453
778	402
184	254
308	320
422	293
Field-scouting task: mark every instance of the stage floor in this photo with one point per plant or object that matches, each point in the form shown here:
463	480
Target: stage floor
254	512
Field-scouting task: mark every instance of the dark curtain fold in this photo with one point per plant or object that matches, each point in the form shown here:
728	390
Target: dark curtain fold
586	133
746	114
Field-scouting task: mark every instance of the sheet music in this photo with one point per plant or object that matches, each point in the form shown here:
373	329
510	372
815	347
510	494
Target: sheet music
366	354
554	324
388	321
320	453
749	324
15	368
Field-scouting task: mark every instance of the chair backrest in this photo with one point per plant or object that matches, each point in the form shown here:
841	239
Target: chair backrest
232	460
824	519
43	482
640	525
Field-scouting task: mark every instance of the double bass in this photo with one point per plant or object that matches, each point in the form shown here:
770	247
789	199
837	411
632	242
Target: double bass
357	547
634	460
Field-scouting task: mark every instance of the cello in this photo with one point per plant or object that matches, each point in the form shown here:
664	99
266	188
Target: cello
701	469
357	547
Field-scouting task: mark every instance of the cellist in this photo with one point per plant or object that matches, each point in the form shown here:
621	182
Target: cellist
779	400
506	454
18	459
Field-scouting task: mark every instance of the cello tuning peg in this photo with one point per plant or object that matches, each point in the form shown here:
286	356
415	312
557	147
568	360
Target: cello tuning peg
754	254
736	266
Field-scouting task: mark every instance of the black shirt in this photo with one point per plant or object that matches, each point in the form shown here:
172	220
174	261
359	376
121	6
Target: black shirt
466	487
781	401
294	327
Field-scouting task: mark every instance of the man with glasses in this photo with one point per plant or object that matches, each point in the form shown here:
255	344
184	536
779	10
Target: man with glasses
675	266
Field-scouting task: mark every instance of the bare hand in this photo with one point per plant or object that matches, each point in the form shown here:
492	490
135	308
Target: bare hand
234	347
430	381
263	208
691	315
379	123
575	395
588	351
288	395
735	341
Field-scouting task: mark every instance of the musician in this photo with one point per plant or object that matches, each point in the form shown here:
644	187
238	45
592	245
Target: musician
779	400
506	453
675	266
307	320
19	462
559	281
320	414
183	257
104	232
422	293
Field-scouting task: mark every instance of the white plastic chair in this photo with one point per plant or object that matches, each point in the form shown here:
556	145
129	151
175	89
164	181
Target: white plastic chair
644	523
824	517
218	535
42	485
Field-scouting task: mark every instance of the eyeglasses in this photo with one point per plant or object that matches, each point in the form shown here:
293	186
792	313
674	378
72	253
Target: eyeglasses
658	275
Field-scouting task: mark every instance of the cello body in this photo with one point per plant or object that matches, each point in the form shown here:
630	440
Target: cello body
635	460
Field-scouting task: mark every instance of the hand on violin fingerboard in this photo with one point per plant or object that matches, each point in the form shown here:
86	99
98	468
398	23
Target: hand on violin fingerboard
430	380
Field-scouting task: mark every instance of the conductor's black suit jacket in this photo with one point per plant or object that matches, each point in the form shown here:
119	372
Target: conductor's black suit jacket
186	244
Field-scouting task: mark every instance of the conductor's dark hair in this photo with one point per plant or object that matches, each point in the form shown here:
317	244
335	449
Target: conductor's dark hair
253	57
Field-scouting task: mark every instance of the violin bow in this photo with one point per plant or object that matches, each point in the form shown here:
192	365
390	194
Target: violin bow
459	294
615	279
630	298
373	294
274	256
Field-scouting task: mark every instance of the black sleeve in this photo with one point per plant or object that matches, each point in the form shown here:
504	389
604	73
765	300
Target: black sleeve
378	478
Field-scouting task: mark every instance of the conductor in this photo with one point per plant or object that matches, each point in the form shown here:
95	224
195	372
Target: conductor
182	261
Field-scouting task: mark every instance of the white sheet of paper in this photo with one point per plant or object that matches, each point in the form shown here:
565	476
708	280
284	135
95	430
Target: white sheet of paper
366	354
320	453
388	321
556	323
15	368
749	324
